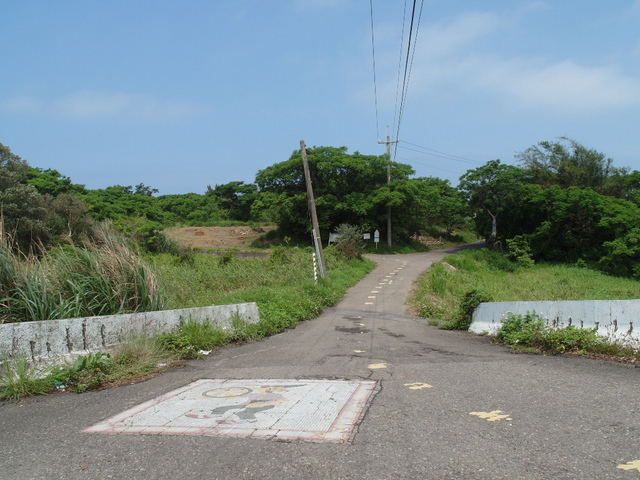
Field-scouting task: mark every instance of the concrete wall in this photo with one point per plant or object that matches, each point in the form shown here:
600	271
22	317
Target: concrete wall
617	320
51	339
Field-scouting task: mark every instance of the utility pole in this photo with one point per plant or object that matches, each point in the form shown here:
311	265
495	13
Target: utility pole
388	143
317	241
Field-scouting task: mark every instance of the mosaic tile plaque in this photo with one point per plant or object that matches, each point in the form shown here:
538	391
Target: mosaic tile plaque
311	410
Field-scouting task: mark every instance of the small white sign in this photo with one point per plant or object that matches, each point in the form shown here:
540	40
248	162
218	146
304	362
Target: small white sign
366	236
376	236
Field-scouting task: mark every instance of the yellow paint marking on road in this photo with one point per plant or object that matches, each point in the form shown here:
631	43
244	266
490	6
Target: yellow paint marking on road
375	291
491	416
371	296
376	366
635	465
417	386
359	351
361	324
368	303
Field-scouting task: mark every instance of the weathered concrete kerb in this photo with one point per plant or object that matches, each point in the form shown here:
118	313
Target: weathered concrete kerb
50	339
613	319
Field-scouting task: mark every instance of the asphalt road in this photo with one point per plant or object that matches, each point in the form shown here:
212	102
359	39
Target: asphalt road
553	417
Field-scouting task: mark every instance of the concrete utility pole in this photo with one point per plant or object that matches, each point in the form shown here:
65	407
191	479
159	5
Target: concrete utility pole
388	143
317	241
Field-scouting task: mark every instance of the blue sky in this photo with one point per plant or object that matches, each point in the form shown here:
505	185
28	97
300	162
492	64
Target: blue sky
181	95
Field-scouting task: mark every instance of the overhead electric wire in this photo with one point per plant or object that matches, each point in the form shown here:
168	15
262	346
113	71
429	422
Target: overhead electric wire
412	162
375	83
408	63
439	154
396	110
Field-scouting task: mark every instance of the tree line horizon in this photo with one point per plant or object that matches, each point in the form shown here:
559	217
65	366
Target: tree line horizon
563	202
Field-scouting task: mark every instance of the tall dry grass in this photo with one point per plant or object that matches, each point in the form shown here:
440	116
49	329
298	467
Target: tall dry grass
104	276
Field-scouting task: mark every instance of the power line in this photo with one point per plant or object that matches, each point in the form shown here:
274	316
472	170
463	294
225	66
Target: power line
396	110
439	154
409	61
430	165
375	83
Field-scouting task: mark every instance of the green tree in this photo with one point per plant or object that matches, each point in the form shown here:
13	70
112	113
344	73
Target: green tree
348	189
489	190
447	207
122	201
569	164
191	208
236	198
51	182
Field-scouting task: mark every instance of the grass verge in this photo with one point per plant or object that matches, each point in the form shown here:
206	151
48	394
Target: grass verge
451	289
282	285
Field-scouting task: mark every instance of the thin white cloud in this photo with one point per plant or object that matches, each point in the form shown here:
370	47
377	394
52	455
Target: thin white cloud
91	105
562	87
450	63
442	39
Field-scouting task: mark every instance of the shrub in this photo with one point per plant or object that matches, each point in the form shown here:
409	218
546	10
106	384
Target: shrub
521	329
530	331
349	242
519	251
468	304
87	372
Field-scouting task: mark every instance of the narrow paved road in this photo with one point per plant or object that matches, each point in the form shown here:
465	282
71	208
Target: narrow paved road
448	405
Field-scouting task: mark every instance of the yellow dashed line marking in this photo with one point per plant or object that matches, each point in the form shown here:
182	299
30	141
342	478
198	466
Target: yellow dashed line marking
371	296
368	303
359	351
635	465
376	366
417	386
491	416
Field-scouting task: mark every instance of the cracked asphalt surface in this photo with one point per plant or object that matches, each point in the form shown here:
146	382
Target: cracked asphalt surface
449	405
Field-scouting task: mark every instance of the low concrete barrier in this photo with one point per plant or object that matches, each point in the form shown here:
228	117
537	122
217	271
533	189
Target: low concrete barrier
49	339
613	319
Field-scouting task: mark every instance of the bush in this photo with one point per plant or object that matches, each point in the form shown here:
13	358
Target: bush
88	372
530	331
468	304
521	329
520	251
349	242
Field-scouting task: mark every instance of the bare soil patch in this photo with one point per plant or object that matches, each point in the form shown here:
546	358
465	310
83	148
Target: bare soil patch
218	238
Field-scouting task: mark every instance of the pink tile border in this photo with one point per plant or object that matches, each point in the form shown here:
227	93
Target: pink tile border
340	430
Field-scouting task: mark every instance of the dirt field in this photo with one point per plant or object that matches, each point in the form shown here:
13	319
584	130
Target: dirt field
239	237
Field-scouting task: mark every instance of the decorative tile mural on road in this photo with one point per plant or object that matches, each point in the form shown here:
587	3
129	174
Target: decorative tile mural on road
312	410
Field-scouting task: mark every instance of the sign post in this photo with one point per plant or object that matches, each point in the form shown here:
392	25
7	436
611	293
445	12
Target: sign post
376	238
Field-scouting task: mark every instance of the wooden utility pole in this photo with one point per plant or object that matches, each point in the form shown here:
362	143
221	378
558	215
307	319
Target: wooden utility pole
388	143
317	241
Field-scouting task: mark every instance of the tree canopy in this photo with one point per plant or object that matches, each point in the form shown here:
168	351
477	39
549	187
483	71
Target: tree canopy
348	189
566	203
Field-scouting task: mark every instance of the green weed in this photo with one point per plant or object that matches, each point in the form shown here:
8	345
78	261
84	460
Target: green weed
21	379
87	372
191	337
529	334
